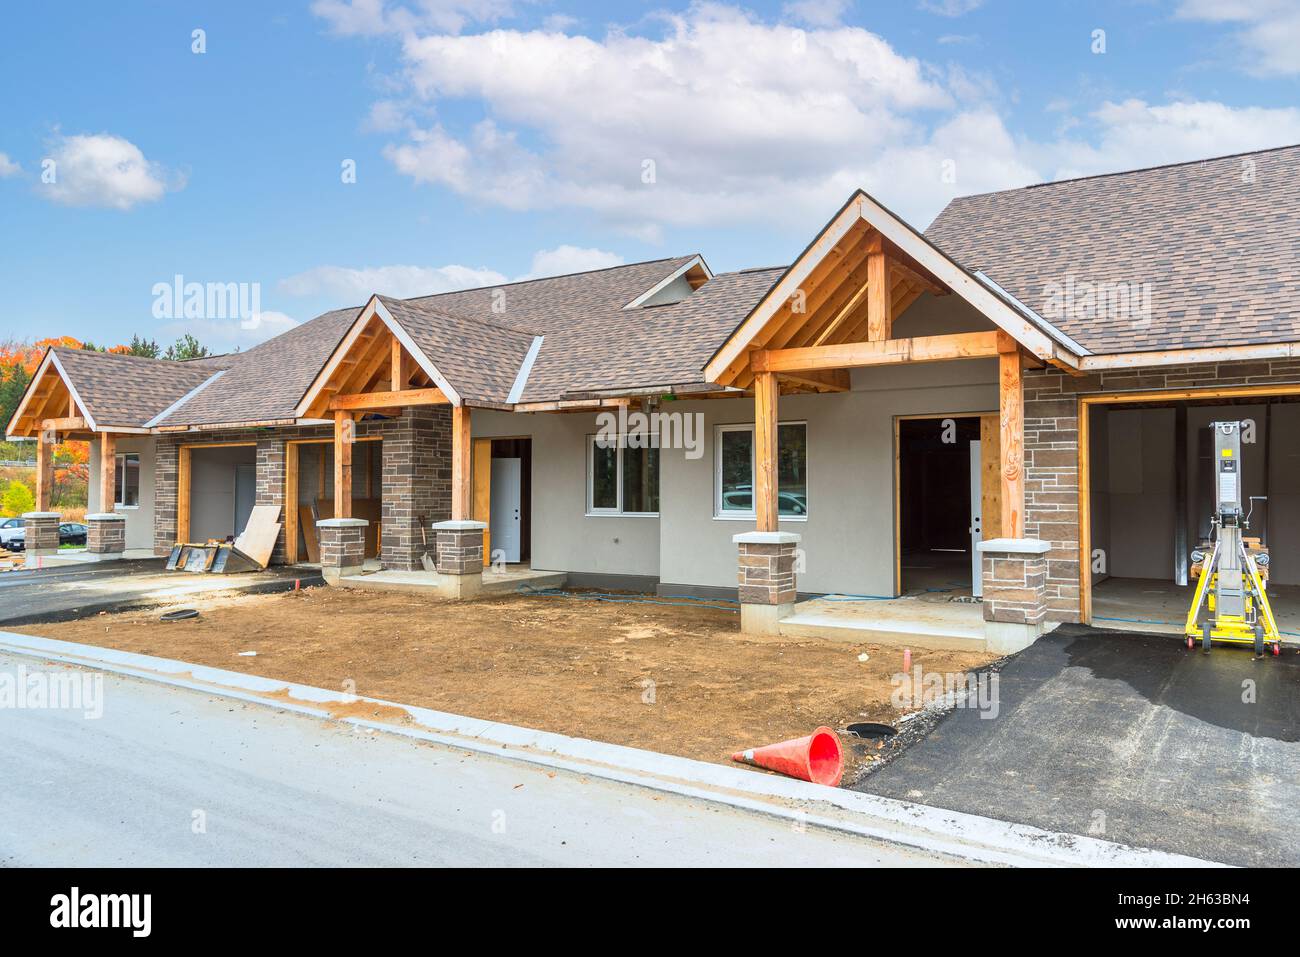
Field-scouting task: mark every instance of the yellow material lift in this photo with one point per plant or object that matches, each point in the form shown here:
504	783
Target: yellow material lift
1231	570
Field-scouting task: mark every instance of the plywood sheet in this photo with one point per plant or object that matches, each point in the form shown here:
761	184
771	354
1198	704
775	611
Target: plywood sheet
307	522
257	541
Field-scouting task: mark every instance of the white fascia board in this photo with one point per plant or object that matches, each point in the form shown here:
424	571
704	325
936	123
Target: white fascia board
669	279
1069	342
1194	356
526	367
67	380
158	419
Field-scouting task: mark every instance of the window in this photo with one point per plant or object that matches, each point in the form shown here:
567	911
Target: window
622	476
734	468
127	481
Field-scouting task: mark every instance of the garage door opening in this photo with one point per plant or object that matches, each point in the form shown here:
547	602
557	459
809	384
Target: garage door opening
310	467
1149	499
218	491
939	491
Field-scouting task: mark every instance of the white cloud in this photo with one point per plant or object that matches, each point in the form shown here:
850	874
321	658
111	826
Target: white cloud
355	286
8	167
725	119
103	170
227	335
376	17
1269	34
951	8
349	286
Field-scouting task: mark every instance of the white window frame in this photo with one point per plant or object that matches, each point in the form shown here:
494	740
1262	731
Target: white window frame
119	470
617	512
731	515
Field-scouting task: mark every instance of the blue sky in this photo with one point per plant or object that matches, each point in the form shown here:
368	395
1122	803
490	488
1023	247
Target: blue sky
496	139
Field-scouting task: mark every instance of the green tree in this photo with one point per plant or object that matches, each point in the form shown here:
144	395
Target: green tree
148	348
13	382
17	499
186	347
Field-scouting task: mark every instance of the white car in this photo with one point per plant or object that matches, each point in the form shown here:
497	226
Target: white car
12	530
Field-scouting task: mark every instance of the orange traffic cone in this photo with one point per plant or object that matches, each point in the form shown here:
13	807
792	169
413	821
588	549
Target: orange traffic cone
815	758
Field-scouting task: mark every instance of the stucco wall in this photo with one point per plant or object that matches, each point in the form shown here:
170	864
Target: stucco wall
139	520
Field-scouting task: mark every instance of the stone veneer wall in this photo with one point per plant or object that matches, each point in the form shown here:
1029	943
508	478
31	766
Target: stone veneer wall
1051	450
416	477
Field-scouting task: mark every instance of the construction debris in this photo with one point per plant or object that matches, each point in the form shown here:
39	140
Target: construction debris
251	551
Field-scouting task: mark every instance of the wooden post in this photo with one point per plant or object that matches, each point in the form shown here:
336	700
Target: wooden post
343	433
462	488
397	375
880	318
108	471
483	493
44	470
765	476
1011	412
183	458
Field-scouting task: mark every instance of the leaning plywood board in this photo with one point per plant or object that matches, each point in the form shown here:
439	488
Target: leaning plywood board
257	541
307	524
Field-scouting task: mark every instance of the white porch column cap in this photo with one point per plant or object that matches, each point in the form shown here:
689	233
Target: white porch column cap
766	538
1015	546
42	515
341	523
460	525
106	517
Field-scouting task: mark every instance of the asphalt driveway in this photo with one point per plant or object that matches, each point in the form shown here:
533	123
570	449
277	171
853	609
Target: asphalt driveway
1131	738
75	591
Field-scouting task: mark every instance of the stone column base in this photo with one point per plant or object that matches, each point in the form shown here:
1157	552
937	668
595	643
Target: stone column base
765	579
41	533
460	558
106	535
342	547
1015	592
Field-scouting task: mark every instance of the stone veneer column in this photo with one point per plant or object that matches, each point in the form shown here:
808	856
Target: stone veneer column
460	558
342	547
766	579
106	535
1015	592
41	535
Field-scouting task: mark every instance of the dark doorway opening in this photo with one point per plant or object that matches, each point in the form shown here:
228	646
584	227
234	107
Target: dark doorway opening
934	505
510	498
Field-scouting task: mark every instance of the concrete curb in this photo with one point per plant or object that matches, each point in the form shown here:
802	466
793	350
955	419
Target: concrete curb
944	833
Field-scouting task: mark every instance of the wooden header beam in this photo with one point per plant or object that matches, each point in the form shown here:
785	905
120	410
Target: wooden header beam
370	401
850	355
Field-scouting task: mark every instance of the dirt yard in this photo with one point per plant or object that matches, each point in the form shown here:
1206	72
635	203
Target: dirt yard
671	678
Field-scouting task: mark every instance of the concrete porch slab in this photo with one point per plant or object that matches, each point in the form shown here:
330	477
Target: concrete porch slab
953	626
495	581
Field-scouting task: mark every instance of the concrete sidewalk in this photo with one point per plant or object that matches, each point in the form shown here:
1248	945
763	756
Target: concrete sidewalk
79	590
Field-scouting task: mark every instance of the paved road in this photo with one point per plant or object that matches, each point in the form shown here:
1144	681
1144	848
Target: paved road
274	788
1129	737
80	590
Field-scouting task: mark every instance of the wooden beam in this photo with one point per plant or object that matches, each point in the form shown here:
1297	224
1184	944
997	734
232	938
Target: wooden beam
1011	412
369	401
850	355
832	380
483	493
927	283
344	430
183	493
765	473
72	423
880	320
397	375
291	503
462	488
44	471
107	471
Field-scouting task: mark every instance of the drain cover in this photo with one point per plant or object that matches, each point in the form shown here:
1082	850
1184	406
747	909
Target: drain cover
866	729
181	614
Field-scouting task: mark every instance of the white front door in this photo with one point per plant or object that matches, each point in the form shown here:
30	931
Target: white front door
506	503
976	521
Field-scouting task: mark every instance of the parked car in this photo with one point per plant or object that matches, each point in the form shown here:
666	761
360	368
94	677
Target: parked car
742	499
12	530
72	533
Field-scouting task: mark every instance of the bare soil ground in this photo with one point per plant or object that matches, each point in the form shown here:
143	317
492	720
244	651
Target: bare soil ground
678	679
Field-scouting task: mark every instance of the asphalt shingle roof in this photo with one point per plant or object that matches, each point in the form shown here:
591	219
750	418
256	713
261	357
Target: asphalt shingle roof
1215	243
128	390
